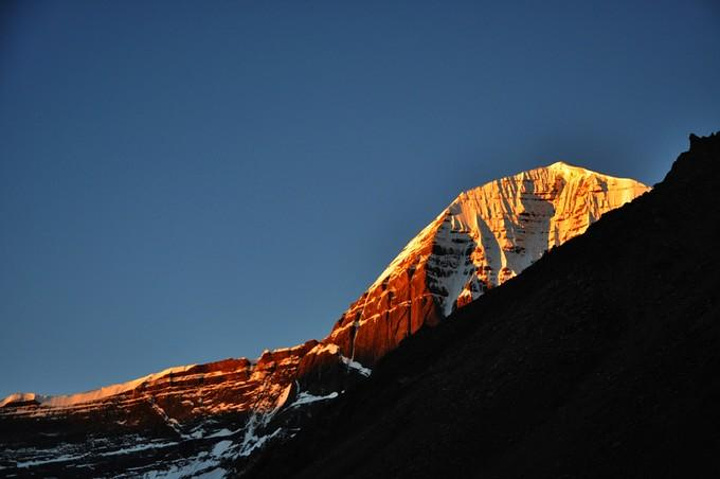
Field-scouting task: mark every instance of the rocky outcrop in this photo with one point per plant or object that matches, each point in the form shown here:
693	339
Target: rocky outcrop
175	418
199	419
485	237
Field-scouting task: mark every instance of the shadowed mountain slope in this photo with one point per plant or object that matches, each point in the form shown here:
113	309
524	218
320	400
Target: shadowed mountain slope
601	360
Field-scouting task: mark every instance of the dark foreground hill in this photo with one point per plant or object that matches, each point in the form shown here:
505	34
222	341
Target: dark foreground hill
601	360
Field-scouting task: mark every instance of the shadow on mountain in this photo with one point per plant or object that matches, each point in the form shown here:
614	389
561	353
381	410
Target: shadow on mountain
600	360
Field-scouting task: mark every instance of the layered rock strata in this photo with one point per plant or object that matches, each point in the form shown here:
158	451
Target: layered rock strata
483	238
200	419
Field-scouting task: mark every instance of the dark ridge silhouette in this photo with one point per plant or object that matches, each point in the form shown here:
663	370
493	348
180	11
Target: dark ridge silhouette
601	360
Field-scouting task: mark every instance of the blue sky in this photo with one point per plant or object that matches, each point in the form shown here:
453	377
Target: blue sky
182	182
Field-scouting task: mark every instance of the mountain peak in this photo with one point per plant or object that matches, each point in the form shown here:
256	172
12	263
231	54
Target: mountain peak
569	171
486	236
564	165
223	411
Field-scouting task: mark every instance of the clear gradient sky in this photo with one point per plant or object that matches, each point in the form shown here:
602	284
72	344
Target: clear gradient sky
182	182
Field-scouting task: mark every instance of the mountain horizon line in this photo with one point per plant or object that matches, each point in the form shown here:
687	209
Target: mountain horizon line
567	170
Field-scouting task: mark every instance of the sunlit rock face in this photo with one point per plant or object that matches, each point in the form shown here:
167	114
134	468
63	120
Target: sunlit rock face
190	419
205	419
483	238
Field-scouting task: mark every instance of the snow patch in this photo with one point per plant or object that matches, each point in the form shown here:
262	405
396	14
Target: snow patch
64	458
220	448
139	447
356	366
307	398
257	442
223	433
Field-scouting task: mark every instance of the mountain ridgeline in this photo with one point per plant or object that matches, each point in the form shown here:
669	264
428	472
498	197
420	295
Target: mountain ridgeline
601	360
214	420
485	237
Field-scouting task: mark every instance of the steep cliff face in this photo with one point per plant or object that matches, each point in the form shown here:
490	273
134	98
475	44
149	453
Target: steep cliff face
200	419
483	238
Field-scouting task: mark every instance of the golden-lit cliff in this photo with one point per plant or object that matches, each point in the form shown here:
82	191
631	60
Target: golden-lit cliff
483	238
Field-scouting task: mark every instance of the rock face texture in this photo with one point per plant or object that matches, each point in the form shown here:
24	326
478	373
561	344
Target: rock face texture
485	237
209	419
189	419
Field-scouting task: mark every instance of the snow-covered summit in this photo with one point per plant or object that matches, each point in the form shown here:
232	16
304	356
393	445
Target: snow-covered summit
486	236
